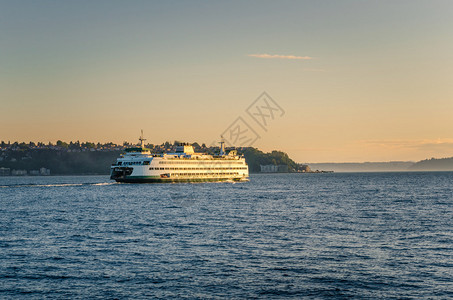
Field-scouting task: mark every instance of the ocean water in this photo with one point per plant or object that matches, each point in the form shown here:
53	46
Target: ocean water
361	235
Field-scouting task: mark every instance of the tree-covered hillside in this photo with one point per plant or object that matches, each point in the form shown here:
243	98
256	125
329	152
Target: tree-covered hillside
90	158
255	158
63	162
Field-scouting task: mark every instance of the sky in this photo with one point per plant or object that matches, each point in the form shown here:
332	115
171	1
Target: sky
349	81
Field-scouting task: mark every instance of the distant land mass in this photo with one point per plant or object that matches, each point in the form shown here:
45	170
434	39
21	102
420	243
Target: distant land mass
392	166
433	164
87	158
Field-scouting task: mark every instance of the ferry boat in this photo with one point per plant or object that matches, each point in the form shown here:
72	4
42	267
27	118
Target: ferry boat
139	165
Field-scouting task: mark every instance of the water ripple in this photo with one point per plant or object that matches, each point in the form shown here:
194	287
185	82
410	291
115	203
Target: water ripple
382	235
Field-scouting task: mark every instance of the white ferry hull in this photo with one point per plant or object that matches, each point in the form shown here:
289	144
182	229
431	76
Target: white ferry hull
139	165
142	175
137	179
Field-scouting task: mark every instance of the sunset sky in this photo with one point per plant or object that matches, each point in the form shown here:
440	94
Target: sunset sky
357	80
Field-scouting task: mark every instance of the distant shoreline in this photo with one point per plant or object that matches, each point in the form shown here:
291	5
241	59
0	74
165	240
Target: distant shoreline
251	173
433	164
95	159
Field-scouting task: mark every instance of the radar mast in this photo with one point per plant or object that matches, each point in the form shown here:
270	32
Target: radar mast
142	140
222	146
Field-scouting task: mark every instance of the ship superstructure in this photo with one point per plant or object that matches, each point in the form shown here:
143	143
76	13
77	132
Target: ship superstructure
184	165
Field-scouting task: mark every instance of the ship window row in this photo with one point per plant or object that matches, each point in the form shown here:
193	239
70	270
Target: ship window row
202	174
209	162
205	169
130	163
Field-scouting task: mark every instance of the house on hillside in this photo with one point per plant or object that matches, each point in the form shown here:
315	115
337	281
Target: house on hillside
274	168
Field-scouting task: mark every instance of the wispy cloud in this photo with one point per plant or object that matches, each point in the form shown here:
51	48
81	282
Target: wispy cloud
280	56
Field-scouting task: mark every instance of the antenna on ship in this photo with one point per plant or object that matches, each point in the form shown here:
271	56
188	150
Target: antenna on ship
142	140
222	146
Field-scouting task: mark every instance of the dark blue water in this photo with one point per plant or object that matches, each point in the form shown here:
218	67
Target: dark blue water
379	235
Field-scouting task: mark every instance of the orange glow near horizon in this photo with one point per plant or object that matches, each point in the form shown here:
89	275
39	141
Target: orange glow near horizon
353	87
